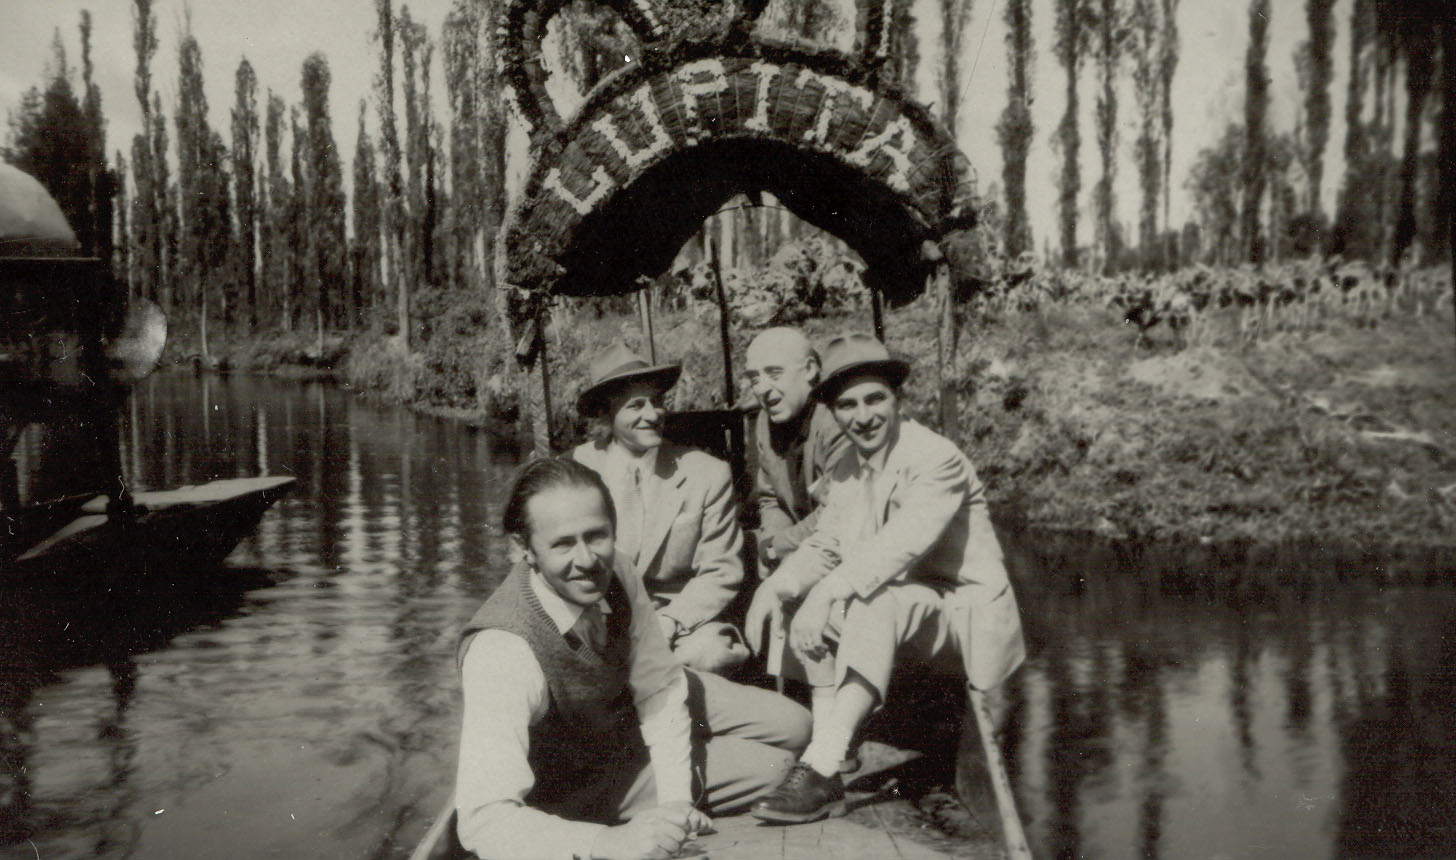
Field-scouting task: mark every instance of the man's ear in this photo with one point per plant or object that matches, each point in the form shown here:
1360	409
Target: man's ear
812	365
519	551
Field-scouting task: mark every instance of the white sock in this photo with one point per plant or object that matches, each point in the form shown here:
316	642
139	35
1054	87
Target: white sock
829	744
821	705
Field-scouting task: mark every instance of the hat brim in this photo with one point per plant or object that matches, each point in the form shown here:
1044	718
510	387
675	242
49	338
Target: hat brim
892	370
592	399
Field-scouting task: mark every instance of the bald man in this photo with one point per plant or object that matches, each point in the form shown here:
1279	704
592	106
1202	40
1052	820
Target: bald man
798	440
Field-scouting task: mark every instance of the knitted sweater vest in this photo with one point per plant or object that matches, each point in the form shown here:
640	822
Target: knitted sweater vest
591	727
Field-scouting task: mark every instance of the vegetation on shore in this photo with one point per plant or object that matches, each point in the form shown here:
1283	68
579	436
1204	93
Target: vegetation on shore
1324	420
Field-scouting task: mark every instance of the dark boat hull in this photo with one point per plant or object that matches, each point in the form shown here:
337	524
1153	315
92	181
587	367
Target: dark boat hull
193	526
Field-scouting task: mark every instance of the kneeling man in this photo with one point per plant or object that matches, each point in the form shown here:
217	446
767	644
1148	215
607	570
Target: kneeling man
903	565
582	735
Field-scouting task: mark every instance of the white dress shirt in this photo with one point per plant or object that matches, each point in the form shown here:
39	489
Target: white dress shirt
506	693
618	475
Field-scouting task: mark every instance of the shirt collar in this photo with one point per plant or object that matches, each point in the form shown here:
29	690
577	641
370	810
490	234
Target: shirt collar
620	460
561	613
876	461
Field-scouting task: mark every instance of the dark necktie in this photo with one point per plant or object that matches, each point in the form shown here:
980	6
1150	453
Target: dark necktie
591	628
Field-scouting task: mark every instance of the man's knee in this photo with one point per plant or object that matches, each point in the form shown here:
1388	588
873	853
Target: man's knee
880	608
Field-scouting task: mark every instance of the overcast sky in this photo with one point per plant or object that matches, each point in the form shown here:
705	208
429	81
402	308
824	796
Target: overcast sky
276	35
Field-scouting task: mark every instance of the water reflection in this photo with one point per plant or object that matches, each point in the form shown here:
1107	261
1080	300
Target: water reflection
302	702
306	713
1266	707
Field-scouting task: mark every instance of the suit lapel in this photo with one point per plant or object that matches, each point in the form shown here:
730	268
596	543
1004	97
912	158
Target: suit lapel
664	508
775	466
895	465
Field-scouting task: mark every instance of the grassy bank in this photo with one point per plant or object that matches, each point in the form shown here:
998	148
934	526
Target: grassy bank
1341	433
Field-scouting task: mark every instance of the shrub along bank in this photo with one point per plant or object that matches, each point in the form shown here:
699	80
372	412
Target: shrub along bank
1339	434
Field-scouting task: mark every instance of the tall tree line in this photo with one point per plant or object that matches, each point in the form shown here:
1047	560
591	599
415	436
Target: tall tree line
252	224
1015	129
59	137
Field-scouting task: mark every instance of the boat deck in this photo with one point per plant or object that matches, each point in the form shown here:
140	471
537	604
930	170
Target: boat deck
883	826
882	832
882	822
902	804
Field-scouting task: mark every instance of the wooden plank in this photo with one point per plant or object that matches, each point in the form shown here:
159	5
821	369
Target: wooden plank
982	782
743	837
437	842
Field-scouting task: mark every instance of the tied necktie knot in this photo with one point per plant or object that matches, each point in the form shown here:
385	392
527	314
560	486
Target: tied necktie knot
591	628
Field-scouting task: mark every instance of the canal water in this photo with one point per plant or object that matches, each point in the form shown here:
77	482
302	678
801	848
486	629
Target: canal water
301	701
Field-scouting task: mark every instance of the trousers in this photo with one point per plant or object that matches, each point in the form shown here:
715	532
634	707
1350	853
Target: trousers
745	739
903	622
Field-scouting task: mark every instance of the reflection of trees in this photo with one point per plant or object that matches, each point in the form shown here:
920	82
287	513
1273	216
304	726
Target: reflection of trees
121	752
44	633
16	726
1241	688
1155	747
1398	793
1118	636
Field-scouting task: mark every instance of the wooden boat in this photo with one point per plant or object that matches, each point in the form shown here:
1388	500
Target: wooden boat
192	525
878	821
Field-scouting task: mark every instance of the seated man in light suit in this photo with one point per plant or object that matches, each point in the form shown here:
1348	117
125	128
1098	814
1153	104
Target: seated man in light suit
903	565
676	512
797	440
581	735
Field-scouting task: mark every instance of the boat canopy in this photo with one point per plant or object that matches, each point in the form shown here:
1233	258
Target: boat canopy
31	222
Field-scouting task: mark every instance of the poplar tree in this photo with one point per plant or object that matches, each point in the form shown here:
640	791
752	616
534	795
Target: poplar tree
1168	49
101	182
1356	191
192	143
146	194
1256	107
1147	147
1415	38
1316	70
1015	129
460	49
325	199
955	19
904	49
1071	47
121	244
166	196
1446	147
394	180
301	291
48	140
368	222
275	229
244	160
412	38
1110	36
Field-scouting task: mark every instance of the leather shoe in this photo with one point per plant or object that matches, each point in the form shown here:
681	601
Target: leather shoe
803	796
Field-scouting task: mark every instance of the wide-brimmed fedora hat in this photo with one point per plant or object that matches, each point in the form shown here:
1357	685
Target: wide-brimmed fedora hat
857	354
617	366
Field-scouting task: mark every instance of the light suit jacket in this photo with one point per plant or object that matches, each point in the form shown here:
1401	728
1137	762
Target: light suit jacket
934	528
691	558
784	519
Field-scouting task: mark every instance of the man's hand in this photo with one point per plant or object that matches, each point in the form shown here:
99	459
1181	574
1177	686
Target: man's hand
669	628
806	631
652	835
695	820
767	605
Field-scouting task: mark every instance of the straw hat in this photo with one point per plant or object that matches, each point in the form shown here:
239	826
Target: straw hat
850	355
617	366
